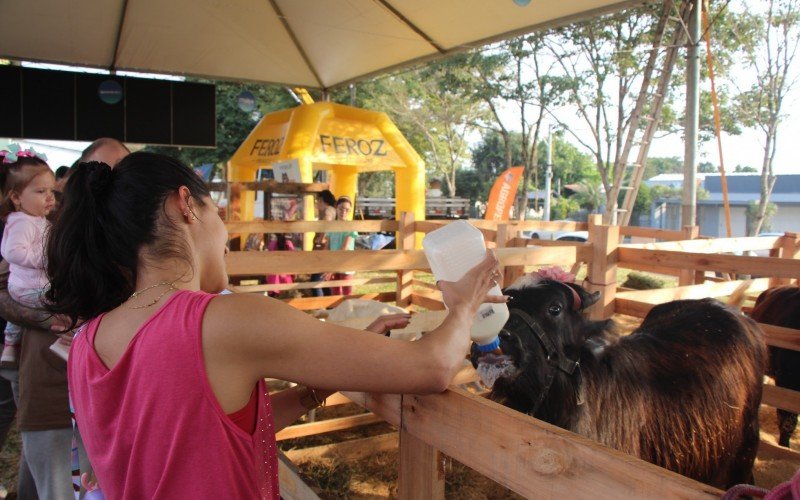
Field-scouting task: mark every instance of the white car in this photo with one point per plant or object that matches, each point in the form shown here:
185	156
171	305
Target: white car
580	236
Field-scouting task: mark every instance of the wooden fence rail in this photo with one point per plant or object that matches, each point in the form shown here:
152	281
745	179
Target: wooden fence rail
526	455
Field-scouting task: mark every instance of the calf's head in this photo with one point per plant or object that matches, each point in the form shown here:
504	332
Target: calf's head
543	340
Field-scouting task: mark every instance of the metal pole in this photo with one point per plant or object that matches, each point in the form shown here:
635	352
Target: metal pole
548	173
689	199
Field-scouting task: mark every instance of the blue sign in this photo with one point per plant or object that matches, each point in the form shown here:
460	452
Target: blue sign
110	92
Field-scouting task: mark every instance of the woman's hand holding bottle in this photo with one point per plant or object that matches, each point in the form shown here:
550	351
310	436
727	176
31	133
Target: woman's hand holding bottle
472	289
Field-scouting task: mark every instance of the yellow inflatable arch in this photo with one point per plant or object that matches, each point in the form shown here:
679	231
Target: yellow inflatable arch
340	139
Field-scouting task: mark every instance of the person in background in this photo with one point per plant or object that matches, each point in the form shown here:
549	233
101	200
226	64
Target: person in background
40	384
434	189
326	211
27	184
140	249
342	241
279	242
105	149
62	174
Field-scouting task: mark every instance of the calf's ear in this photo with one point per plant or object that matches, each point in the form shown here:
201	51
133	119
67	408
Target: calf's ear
587	299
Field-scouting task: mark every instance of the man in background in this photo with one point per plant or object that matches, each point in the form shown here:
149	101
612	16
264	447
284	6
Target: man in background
105	149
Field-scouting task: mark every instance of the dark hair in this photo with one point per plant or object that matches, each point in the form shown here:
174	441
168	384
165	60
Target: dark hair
99	143
343	199
280	241
105	220
61	172
328	197
15	177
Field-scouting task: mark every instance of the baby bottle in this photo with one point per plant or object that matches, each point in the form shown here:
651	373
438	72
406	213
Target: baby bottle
454	249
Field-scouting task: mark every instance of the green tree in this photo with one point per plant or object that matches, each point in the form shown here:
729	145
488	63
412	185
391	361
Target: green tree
663	165
570	164
762	104
643	201
590	196
488	161
426	104
601	59
706	167
751	216
515	75
604	58
561	208
744	169
665	192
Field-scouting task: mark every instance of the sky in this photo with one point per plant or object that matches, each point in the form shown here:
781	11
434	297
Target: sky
746	149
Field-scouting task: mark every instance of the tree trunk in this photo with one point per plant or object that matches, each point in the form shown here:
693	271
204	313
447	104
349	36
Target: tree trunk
767	181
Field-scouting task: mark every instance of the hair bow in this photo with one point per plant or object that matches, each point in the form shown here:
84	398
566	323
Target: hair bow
15	152
554	273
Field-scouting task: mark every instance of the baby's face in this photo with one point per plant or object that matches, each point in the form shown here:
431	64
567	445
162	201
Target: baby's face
37	198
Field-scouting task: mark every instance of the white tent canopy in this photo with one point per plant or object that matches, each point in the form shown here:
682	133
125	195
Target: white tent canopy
310	43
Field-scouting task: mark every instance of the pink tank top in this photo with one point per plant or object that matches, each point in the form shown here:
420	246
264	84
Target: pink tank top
152	425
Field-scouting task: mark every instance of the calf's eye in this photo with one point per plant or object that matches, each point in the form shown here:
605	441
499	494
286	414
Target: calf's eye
554	310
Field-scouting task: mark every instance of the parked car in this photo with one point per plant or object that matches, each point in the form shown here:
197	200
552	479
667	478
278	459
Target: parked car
580	236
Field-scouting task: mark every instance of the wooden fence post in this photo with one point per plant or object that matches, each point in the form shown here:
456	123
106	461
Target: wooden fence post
406	240
603	267
506	234
790	249
687	276
421	474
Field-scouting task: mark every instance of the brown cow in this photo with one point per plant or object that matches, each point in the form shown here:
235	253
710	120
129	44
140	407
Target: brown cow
781	307
682	391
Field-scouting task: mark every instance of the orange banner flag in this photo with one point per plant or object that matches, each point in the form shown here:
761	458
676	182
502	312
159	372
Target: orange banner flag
502	195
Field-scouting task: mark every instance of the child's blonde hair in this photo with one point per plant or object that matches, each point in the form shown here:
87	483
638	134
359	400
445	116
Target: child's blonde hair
15	177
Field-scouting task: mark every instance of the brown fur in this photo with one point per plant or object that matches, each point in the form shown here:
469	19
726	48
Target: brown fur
781	307
682	391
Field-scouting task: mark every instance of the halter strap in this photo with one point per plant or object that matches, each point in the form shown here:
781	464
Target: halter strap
565	365
553	359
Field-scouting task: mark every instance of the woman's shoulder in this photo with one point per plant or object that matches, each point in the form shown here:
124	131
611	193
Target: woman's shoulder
242	314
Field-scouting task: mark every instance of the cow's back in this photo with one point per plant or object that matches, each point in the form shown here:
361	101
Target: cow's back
694	368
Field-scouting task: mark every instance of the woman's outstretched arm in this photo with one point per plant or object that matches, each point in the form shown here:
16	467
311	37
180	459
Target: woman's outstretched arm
246	338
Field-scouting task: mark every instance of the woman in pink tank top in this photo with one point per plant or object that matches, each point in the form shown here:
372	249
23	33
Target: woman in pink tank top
167	378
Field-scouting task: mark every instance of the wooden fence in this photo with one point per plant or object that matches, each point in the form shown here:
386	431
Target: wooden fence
528	456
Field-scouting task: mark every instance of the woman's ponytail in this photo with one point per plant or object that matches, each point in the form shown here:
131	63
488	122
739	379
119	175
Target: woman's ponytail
106	218
85	279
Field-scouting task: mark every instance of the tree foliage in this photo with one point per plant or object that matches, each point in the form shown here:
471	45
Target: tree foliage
772	60
428	104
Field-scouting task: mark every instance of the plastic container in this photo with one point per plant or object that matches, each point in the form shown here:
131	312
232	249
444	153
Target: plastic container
454	249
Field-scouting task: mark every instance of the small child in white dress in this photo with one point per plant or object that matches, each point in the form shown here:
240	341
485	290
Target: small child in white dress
27	185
